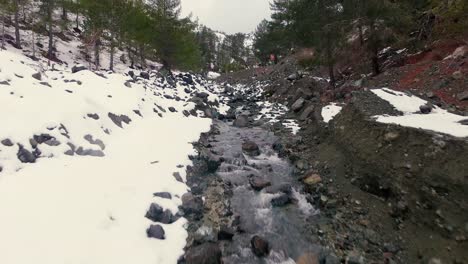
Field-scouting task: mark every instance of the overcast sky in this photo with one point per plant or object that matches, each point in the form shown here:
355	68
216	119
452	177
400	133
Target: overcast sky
231	16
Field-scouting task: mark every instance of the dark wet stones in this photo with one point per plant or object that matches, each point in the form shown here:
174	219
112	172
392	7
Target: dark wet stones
144	75
282	188
260	246
25	156
208	253
297	106
78	68
157	214
42	138
281	200
93	141
241	121
164	195
192	205
259	183
251	148
172	109
425	109
463	96
226	233
7	142
119	119
156	231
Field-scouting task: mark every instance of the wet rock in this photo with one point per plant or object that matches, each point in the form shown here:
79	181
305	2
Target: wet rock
308	258
192	205
259	183
425	109
302	165
251	148
37	76
312	179
164	195
7	142
78	68
4	83
241	121
157	214
208	253
464	122
281	200
172	109
25	156
128	84
307	112
226	233
93	141
282	188
260	246
144	75
297	106
156	231
463	96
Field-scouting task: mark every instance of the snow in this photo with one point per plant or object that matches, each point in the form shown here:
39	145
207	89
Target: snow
81	209
439	120
330	111
213	75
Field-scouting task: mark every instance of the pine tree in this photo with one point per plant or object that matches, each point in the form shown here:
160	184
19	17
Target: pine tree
47	8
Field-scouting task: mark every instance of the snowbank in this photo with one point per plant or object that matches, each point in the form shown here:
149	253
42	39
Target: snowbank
82	209
330	111
439	120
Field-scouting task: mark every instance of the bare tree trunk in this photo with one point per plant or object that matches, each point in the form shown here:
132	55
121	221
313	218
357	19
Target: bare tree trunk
77	20
130	57
34	43
97	47
331	67
142	56
17	31
361	33
374	46
50	50
3	30
112	52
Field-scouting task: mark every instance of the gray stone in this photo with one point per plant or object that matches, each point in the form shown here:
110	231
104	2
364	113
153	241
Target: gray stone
297	106
7	142
25	156
37	76
241	121
157	214
156	231
281	200
425	109
307	112
192	205
164	195
259	183
251	148
144	75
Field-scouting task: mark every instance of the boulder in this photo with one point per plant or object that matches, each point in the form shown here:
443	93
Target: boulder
425	109
307	112
260	246
225	233
297	106
281	200
251	148
241	121
156	231
157	214
311	179
208	253
259	183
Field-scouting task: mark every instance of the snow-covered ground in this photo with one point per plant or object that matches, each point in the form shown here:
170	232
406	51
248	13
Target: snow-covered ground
439	120
330	111
81	155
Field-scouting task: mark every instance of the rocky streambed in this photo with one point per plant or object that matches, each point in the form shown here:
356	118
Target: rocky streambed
247	204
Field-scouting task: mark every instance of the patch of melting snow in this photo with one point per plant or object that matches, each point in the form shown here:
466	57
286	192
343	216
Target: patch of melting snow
439	120
273	113
330	111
